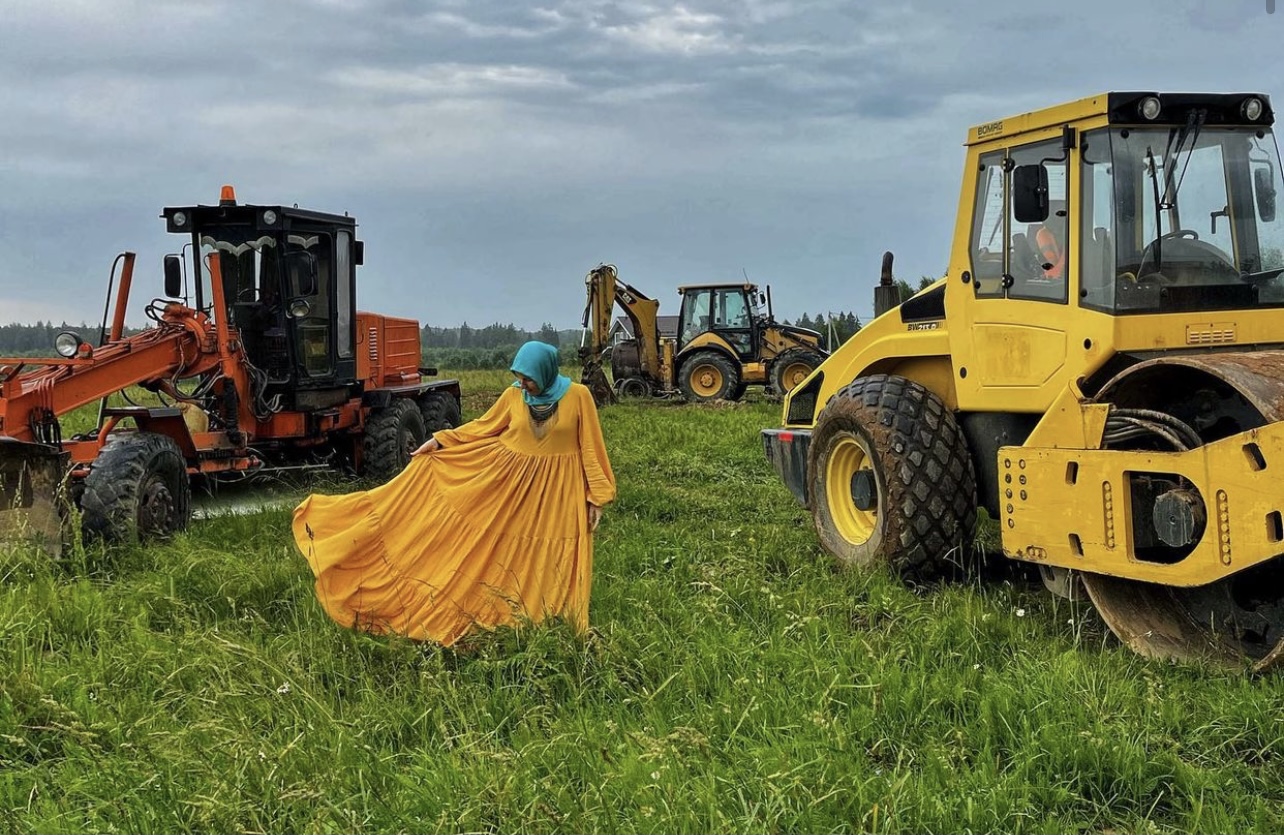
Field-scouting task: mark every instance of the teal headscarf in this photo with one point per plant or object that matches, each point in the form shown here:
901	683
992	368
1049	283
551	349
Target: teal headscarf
538	361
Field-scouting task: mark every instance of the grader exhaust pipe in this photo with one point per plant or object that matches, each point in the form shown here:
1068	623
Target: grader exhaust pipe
32	495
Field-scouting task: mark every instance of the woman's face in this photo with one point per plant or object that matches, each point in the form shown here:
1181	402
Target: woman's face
528	384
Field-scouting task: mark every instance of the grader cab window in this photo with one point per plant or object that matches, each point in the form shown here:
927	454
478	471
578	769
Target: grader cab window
312	316
249	268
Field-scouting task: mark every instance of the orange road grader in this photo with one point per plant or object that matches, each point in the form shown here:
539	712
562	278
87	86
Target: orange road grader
264	366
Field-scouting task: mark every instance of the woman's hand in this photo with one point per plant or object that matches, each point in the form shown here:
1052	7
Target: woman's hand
426	447
594	516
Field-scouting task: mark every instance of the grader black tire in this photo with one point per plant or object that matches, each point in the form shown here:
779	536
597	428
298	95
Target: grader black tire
392	433
791	367
137	490
708	375
440	411
891	480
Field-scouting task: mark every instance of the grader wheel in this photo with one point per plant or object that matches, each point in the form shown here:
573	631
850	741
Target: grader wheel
137	489
439	410
392	433
891	479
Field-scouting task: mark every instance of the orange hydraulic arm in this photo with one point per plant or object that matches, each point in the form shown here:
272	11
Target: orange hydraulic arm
185	343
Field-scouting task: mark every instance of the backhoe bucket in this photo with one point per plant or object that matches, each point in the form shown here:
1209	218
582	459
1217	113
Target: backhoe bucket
594	377
32	494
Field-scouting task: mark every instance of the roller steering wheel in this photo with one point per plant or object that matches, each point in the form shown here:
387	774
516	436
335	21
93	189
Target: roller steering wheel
1180	233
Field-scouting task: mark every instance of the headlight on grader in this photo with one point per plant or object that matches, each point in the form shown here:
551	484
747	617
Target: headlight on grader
67	344
1252	108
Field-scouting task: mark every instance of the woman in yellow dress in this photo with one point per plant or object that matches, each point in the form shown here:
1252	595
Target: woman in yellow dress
490	524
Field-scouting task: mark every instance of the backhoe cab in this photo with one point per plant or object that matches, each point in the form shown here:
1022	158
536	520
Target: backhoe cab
1101	368
725	342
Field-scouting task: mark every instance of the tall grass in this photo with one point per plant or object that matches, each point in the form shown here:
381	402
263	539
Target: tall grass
734	680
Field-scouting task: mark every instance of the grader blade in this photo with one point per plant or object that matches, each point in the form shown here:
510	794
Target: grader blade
32	494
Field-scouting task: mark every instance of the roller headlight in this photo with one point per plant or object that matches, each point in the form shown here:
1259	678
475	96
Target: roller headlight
269	217
1149	108
300	308
1252	109
179	218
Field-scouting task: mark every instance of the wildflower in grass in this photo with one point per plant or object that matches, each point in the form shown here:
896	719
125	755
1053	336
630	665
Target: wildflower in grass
1020	613
284	689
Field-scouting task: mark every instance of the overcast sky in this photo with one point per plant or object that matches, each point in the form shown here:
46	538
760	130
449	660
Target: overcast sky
493	151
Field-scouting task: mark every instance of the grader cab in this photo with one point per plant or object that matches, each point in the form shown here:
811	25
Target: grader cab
263	364
1101	368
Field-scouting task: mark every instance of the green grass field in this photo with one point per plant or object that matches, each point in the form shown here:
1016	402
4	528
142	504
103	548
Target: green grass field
734	681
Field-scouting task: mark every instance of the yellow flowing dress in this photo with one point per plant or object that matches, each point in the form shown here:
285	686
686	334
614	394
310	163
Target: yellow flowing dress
491	529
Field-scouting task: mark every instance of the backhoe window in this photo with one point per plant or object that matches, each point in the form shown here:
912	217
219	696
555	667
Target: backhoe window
696	315
1195	226
731	319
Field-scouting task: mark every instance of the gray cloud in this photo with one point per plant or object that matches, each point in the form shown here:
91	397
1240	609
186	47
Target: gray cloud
493	152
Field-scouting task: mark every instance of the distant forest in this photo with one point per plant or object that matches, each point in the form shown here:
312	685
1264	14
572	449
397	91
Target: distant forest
461	347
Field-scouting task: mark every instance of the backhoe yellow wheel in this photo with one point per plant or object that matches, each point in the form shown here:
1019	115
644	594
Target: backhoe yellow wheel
891	480
792	367
708	375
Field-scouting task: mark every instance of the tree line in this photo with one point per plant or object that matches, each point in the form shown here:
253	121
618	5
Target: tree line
38	339
461	347
846	324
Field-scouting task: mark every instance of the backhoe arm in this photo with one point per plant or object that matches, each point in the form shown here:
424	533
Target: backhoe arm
605	290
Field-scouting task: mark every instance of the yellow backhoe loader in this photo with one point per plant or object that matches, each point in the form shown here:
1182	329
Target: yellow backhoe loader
1101	368
724	342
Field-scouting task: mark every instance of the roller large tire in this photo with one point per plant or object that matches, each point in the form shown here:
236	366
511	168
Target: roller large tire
392	433
708	375
137	490
890	479
792	367
440	411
